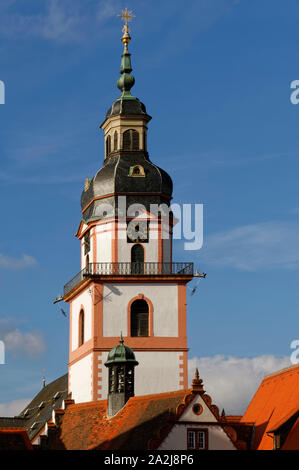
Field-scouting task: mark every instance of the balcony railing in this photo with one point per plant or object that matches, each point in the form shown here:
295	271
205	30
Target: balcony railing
130	269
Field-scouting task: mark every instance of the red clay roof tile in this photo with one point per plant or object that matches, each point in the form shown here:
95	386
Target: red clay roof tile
292	441
275	399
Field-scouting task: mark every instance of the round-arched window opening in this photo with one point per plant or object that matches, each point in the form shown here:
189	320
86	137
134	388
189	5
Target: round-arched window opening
197	409
139	318
131	140
81	327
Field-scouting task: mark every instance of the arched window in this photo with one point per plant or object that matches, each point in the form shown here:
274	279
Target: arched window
81	327
139	318
131	140
115	141
144	141
137	258
108	146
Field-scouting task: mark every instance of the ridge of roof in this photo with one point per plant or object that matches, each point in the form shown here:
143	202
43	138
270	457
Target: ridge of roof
88	404
281	372
103	403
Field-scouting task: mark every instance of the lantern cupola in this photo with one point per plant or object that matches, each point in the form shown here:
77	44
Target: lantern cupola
121	362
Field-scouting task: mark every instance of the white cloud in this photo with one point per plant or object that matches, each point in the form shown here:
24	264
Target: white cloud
14	407
268	245
230	381
18	342
67	21
25	261
32	343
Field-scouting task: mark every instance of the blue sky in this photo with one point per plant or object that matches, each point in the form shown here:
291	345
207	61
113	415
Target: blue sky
215	76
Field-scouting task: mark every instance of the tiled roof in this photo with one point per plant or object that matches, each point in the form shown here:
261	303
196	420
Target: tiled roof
34	417
142	424
276	398
14	439
233	418
85	425
15	422
292	441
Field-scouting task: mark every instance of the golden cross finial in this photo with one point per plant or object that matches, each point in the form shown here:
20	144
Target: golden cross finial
126	16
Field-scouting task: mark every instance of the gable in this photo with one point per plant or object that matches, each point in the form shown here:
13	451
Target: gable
198	412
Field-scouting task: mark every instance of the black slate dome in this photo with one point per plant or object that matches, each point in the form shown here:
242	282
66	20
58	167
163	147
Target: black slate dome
125	106
114	179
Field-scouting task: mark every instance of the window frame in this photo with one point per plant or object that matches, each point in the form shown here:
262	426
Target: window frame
136	325
196	431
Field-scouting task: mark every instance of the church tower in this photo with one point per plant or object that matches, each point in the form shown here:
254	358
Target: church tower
128	280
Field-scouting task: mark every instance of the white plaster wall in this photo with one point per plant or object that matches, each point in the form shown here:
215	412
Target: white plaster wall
104	242
164	298
81	379
150	376
84	299
177	438
103	376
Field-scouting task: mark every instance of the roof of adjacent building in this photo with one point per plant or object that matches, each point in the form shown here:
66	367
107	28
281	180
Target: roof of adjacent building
292	440
275	403
142	424
85	426
14	439
34	417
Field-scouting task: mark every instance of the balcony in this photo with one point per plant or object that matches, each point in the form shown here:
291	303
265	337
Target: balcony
130	269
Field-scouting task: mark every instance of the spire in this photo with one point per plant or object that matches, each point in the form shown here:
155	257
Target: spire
197	385
126	81
121	341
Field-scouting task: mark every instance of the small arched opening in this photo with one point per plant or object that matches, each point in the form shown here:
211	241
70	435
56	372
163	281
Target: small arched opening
81	327
139	318
131	140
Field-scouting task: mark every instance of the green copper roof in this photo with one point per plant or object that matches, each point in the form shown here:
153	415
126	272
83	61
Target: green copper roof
126	81
121	354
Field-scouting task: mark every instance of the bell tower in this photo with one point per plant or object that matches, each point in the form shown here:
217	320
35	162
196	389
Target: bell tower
128	280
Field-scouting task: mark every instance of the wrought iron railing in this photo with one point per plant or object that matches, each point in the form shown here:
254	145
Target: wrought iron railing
130	269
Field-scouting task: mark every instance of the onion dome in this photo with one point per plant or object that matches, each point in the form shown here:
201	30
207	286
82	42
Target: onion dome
127	169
